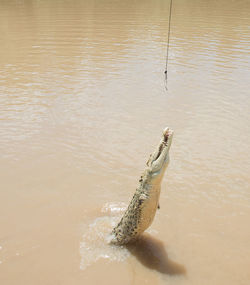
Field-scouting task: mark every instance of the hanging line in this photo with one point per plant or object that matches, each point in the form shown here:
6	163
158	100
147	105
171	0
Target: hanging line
169	26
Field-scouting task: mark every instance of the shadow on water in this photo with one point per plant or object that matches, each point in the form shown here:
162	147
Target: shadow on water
151	253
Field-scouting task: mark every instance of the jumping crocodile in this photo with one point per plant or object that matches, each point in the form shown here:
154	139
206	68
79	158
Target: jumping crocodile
142	208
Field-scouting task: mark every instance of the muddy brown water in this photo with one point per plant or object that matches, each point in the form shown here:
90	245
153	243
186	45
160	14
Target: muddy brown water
82	105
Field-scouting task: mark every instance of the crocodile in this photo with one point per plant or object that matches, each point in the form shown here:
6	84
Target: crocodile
141	210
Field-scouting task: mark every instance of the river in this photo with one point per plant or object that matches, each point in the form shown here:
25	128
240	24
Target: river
83	104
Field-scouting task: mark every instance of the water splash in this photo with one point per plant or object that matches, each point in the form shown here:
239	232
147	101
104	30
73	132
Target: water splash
95	240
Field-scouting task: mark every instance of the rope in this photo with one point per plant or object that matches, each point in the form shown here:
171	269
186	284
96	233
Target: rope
169	27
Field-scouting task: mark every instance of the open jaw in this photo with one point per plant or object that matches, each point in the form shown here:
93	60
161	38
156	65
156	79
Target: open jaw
164	144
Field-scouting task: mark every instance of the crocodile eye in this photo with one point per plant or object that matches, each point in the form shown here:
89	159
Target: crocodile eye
149	160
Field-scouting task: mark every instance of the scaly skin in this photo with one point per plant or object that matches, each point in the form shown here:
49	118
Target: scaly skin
142	208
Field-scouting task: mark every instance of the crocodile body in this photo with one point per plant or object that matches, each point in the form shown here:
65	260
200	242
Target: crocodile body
142	208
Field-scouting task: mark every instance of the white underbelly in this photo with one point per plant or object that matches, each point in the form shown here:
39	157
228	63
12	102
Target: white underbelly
149	209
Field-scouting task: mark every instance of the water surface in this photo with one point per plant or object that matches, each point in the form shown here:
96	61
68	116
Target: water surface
82	105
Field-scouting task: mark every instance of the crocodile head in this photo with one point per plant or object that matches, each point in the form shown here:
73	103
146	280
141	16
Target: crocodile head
159	160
